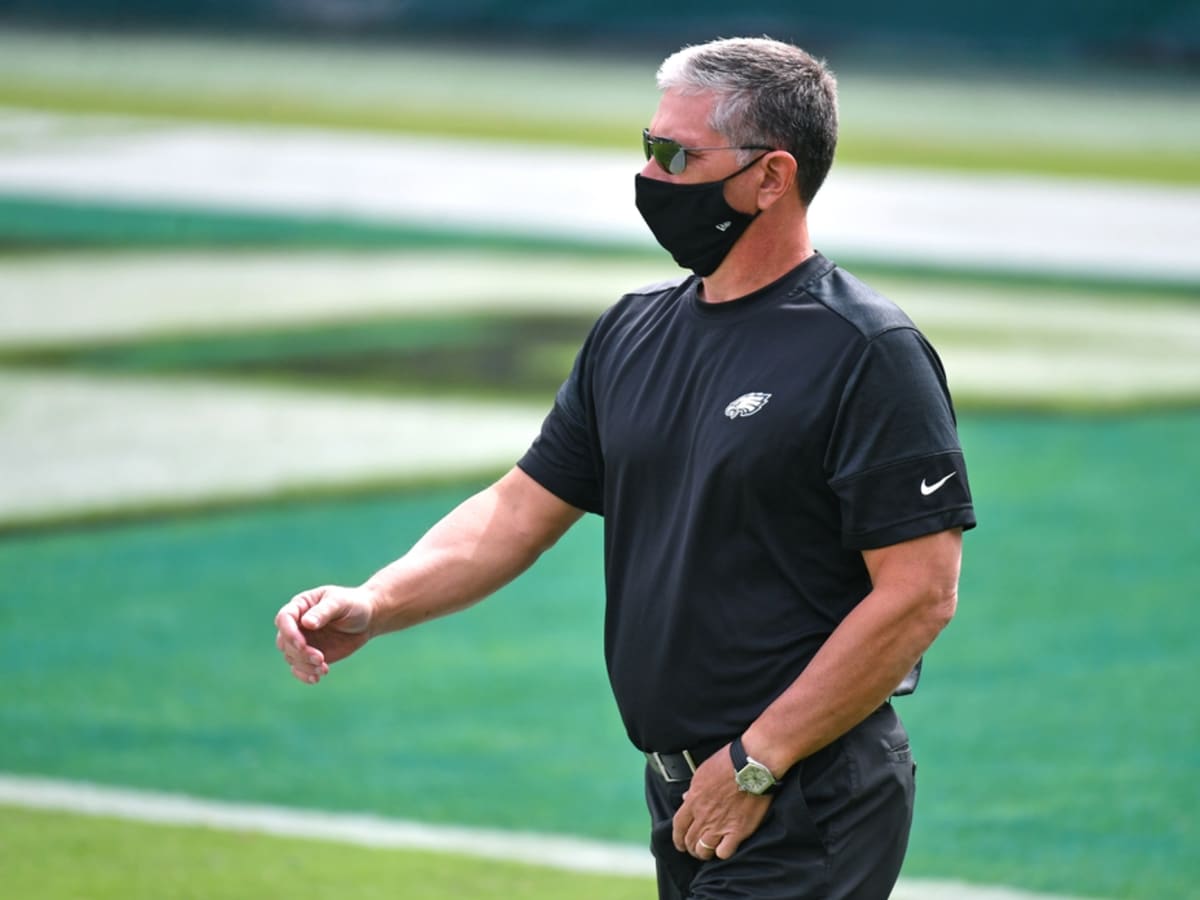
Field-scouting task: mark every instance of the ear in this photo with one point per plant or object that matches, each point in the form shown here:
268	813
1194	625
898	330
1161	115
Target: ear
779	178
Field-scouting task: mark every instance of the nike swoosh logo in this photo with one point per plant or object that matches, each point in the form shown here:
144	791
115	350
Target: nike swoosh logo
927	489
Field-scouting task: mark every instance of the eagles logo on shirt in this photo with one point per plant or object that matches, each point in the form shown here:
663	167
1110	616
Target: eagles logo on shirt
747	404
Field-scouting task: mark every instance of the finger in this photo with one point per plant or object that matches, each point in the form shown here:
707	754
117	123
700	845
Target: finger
305	674
308	654
322	611
727	846
307	669
309	661
679	829
695	843
287	620
290	620
288	649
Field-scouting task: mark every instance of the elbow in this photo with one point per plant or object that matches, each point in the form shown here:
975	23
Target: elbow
928	609
939	606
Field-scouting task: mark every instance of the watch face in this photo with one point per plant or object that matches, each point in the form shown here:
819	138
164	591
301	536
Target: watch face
755	779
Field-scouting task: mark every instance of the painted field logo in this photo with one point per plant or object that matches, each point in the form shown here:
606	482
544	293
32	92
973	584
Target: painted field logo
747	405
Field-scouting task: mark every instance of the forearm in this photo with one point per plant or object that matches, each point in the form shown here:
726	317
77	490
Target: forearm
865	658
855	671
480	546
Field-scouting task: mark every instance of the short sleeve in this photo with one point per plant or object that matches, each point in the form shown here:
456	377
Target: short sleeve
894	458
565	456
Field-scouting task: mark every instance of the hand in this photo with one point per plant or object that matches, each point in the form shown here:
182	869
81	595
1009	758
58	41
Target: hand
716	817
320	627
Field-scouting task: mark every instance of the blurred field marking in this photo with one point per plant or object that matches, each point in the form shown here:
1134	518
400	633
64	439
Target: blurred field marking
1059	109
97	444
549	851
1058	348
83	443
1018	223
1000	344
53	298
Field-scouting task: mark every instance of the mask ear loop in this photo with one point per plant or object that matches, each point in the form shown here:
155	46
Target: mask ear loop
757	212
747	166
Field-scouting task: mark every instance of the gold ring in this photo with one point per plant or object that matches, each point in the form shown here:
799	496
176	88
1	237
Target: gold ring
700	843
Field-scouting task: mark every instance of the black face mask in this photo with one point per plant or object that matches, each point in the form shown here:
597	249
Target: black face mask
692	222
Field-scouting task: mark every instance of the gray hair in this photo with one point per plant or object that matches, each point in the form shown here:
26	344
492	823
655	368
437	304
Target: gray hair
768	93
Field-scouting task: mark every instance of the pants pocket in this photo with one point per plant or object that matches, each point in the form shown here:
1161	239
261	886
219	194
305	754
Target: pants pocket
902	753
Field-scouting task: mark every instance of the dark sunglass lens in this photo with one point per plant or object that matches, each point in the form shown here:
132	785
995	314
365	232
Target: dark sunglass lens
678	160
662	155
667	153
669	156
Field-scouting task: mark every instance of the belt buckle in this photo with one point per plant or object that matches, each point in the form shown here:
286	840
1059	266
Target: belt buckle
656	759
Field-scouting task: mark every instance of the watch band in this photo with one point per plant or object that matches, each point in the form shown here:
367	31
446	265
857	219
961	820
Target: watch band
738	753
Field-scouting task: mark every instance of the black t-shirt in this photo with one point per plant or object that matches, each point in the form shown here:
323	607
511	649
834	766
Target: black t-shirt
743	454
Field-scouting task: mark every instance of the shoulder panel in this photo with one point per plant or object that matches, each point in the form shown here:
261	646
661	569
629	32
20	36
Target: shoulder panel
866	310
658	287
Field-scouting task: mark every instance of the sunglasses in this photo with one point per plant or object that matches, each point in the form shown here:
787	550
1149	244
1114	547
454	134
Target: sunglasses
671	155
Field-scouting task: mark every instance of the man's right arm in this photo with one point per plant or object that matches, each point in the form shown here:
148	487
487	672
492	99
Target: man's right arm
483	544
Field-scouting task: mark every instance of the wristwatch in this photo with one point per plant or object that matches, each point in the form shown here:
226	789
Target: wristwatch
752	776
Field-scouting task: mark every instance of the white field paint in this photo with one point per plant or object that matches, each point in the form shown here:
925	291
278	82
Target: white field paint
1017	223
62	298
549	851
85	443
92	443
58	298
996	341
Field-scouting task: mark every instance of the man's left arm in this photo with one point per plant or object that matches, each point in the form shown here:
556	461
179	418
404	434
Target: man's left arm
913	596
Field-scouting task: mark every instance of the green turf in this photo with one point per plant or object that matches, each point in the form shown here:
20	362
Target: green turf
1114	125
30	223
176	682
1051	720
859	145
36	225
51	856
1058	748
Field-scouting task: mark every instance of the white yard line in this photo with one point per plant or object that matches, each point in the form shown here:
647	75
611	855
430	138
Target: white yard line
62	298
51	298
997	343
550	851
1021	223
79	443
100	443
87	443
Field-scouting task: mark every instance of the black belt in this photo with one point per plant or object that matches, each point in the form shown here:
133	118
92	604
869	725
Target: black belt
681	766
677	767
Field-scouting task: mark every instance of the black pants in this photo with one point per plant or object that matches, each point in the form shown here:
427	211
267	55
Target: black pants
837	828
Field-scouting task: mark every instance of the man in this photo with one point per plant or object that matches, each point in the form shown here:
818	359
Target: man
773	449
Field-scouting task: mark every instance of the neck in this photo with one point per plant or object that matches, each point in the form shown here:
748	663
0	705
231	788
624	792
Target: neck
770	248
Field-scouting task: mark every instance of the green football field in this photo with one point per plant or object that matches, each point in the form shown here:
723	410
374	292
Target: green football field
1056	750
49	855
1054	727
1106	124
